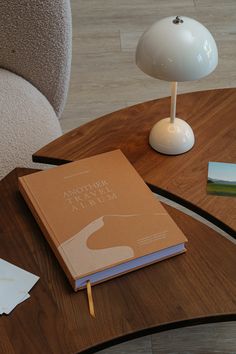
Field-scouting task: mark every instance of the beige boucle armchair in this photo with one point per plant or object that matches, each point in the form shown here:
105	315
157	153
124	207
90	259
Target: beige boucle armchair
35	60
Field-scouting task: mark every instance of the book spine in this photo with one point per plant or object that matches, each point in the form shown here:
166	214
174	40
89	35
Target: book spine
47	232
132	269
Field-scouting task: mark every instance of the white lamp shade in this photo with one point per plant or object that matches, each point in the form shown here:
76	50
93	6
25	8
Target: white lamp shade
177	51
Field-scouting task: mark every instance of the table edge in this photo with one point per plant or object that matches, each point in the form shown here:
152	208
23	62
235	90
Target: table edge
160	328
193	207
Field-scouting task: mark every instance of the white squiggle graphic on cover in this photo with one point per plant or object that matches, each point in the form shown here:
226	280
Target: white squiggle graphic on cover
81	260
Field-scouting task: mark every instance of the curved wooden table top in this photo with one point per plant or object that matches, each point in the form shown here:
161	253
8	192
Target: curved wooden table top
196	287
211	114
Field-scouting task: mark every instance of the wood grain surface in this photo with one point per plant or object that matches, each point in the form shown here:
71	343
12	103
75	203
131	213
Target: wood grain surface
197	287
211	114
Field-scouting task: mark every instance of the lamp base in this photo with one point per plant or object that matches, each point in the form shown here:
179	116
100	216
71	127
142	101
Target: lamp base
171	138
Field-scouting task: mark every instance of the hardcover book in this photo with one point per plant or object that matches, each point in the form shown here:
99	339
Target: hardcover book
100	218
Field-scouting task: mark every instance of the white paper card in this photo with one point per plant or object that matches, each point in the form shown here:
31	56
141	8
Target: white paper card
15	284
9	309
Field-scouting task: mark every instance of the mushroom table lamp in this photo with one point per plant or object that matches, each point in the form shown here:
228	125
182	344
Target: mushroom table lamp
175	49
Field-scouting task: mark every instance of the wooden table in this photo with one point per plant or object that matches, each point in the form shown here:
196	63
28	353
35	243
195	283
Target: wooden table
196	287
211	114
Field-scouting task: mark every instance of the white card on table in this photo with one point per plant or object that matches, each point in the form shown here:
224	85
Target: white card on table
15	284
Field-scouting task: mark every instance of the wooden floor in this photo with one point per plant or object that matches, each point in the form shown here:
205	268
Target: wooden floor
105	78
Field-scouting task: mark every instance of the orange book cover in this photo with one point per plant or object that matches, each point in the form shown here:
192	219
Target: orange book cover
98	214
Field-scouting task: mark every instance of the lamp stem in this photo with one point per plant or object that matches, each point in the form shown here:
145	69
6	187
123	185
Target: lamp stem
173	101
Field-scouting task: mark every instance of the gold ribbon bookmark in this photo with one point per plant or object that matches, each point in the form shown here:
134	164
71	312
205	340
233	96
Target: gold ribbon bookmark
90	299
